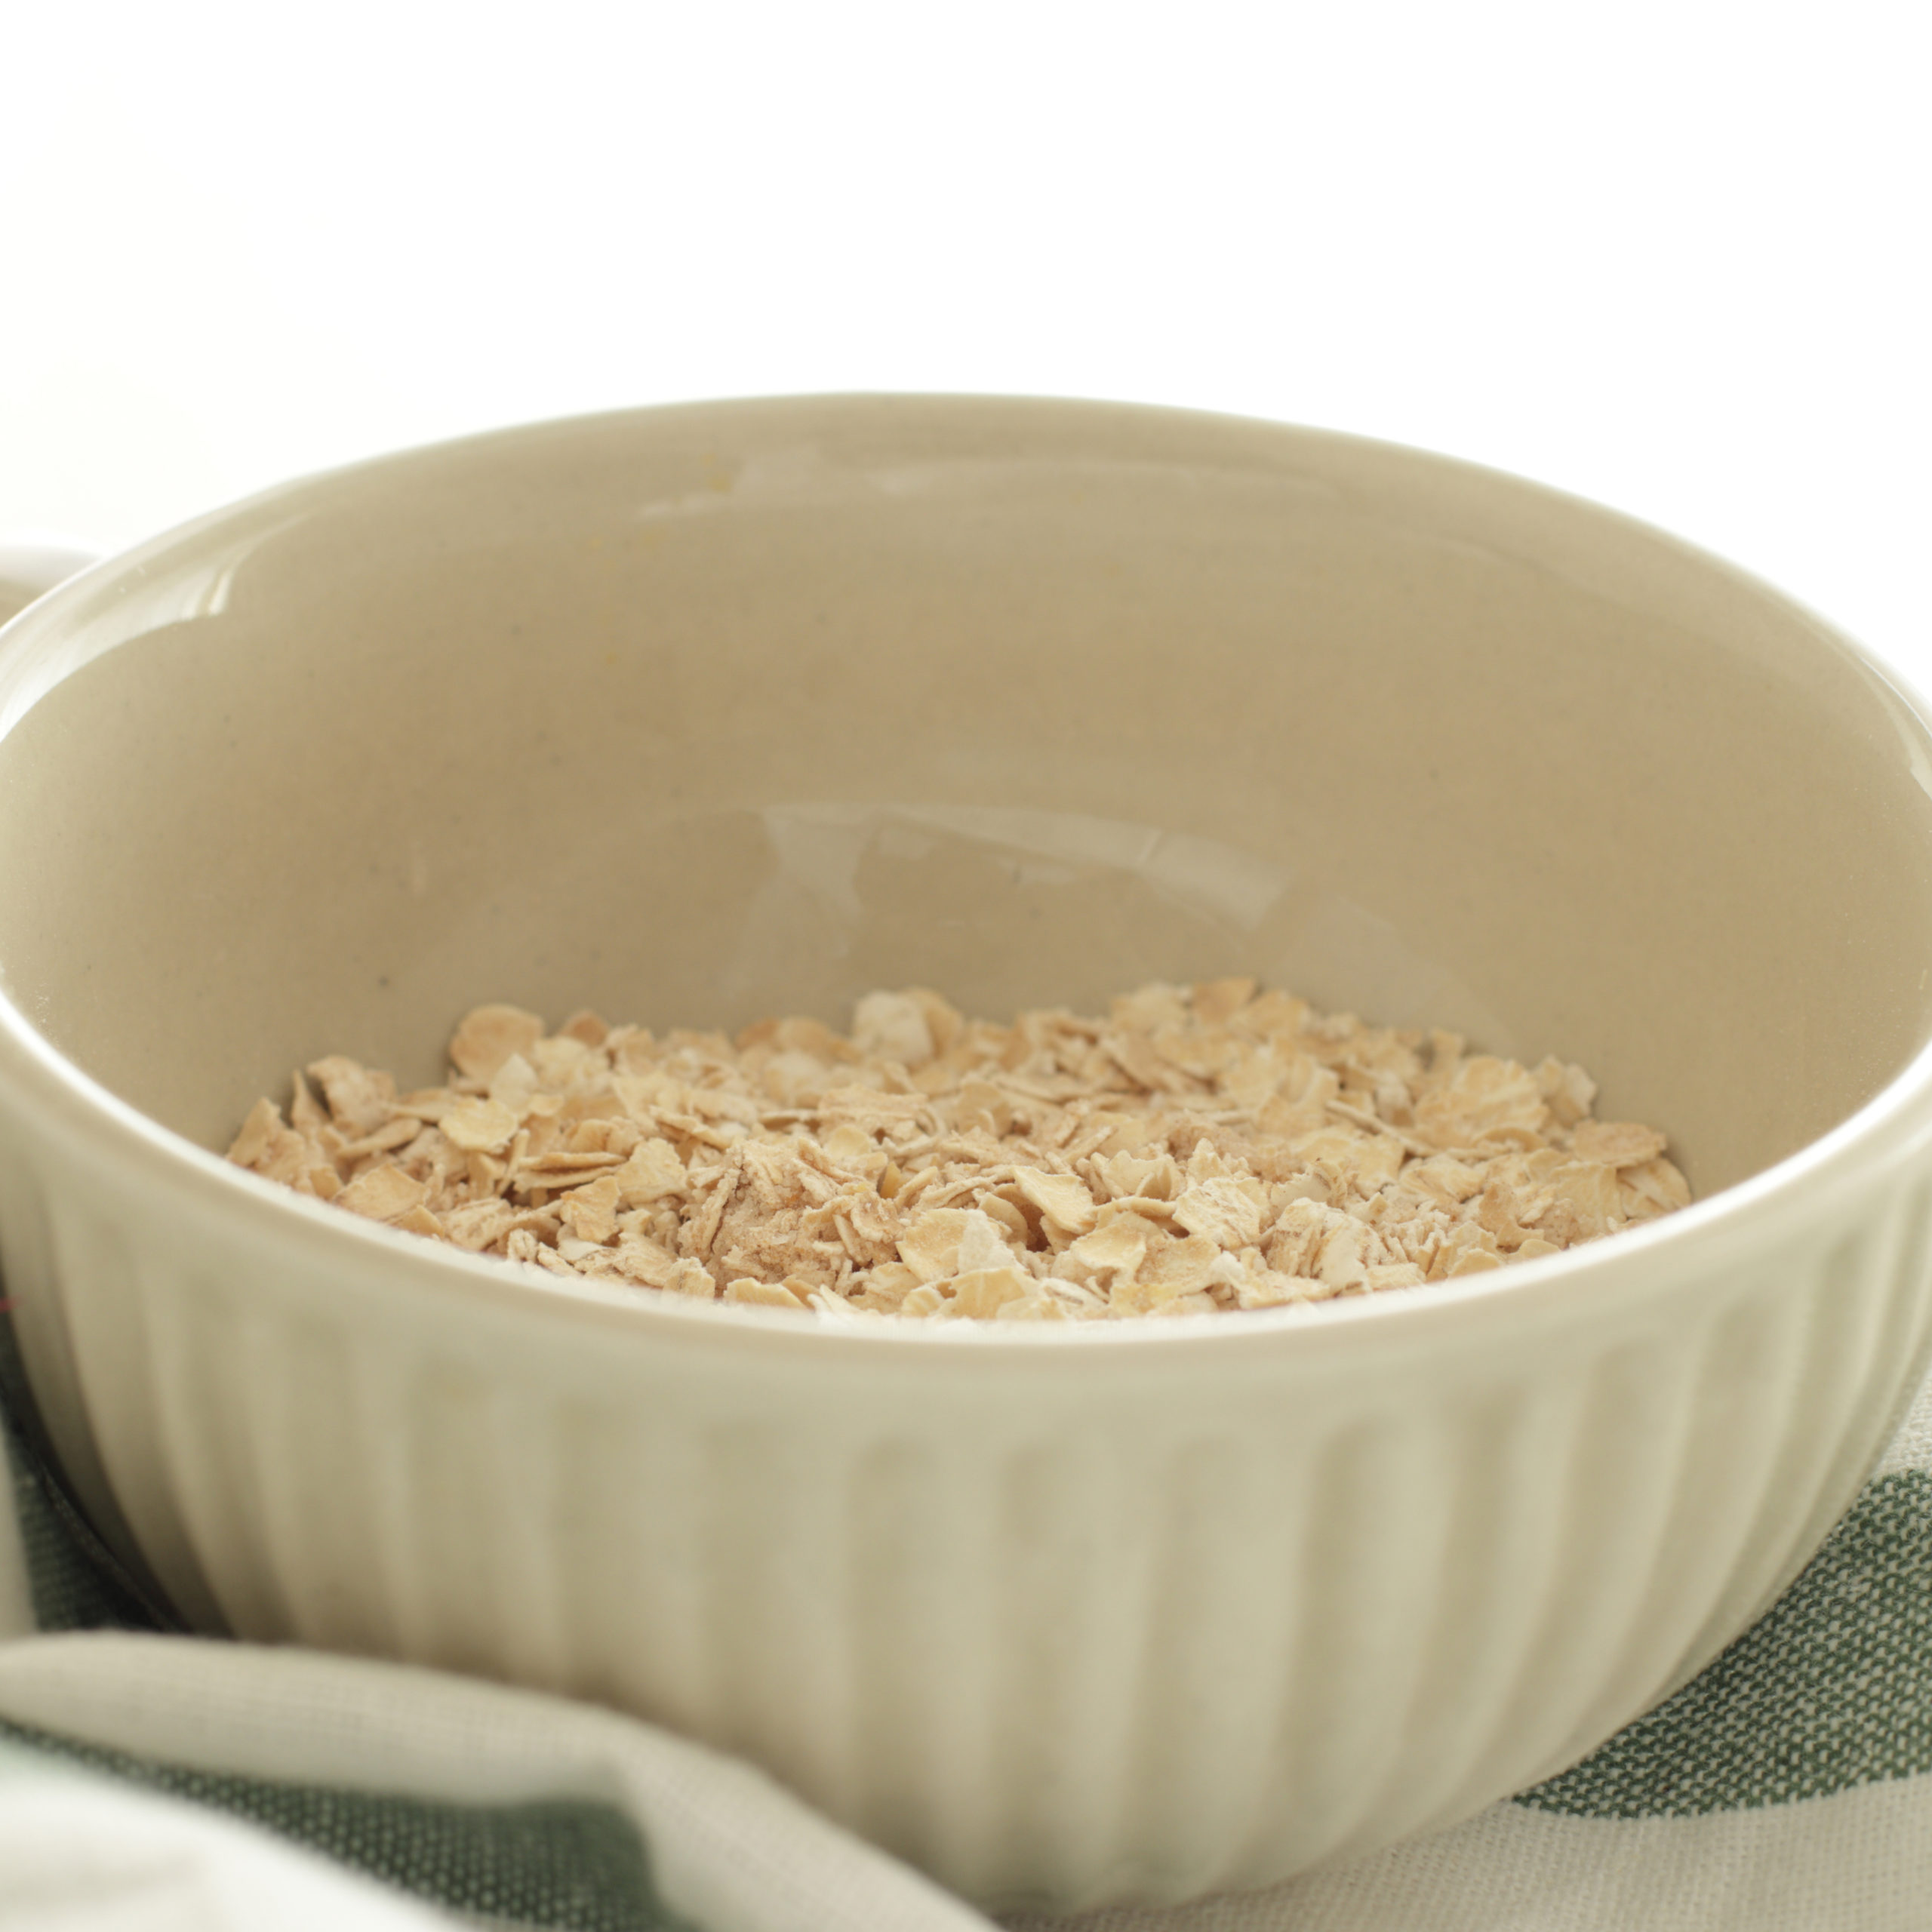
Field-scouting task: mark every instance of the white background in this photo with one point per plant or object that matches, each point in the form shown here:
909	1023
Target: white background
1674	257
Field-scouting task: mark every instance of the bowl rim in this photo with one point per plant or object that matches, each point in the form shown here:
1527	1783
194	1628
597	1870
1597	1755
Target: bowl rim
1893	1126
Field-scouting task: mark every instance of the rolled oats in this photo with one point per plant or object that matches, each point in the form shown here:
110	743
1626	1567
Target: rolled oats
1200	1149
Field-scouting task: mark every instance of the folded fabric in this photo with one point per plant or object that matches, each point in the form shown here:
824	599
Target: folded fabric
152	1779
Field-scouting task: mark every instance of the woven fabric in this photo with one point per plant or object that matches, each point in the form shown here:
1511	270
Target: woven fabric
577	1866
1831	1690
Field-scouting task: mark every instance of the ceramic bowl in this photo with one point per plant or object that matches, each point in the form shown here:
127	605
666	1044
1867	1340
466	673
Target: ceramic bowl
696	715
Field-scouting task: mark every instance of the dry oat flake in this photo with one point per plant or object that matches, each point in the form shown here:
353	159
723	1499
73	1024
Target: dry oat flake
1201	1149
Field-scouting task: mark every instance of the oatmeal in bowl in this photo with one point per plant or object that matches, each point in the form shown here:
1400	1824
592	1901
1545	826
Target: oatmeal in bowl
1199	1150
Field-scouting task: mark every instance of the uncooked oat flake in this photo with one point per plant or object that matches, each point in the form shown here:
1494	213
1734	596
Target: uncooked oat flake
1201	1149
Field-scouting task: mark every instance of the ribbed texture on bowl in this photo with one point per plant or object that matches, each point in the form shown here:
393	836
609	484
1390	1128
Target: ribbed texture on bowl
1084	1636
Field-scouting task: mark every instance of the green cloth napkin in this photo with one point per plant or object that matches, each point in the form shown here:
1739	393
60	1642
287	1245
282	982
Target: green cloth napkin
148	1778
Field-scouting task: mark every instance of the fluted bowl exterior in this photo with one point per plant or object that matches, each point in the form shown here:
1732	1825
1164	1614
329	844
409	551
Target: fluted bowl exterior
1059	1630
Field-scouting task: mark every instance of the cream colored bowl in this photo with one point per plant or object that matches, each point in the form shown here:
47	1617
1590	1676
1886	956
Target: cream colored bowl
698	714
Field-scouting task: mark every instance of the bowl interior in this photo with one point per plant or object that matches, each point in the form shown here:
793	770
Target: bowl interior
697	715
